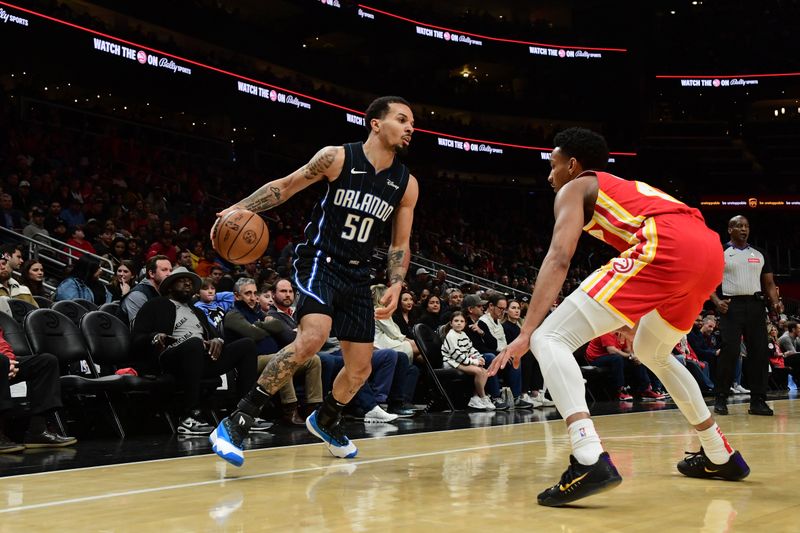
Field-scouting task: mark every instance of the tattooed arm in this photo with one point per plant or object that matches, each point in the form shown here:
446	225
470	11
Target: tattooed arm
327	163
399	255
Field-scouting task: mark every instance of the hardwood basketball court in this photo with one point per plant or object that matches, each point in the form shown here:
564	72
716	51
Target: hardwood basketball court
483	478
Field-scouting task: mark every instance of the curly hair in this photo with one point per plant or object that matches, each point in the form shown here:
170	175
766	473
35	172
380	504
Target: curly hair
588	147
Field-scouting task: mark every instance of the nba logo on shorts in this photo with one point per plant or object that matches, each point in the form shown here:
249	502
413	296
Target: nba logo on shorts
582	432
141	57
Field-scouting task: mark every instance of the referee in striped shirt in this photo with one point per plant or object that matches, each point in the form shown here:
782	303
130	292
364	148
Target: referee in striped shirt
747	284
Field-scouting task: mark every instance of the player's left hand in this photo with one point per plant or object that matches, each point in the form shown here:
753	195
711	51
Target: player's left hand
513	353
389	302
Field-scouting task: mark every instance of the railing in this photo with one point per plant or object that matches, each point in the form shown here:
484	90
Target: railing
56	253
454	275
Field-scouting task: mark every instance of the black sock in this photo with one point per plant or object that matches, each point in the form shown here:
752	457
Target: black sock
330	411
253	402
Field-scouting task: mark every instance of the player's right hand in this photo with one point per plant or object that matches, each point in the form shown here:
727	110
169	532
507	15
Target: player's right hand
722	307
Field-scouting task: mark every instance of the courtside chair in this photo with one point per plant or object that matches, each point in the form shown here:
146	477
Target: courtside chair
49	331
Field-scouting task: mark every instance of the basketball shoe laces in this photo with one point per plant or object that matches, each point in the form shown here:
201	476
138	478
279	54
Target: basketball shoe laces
336	433
237	431
696	459
571	474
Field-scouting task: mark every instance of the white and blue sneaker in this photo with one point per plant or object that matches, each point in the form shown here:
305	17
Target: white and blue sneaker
335	439
226	440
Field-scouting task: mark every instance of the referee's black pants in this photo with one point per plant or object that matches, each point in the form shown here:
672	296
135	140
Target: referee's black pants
746	317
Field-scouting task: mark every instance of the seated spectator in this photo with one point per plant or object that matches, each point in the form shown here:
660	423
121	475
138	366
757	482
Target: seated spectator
104	241
9	217
421	281
611	351
387	334
83	282
177	337
403	315
704	342
789	344
430	316
123	281
532	379
118	251
156	271
212	303
164	246
265	299
185	260
454	299
41	374
77	240
36	224
9	286
247	320
392	381
458	352
497	304
32	277
777	360
483	341
700	370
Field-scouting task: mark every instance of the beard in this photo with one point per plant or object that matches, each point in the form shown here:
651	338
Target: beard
401	150
181	296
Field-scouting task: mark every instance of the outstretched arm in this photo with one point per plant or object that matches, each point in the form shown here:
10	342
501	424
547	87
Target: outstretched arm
399	255
568	210
327	163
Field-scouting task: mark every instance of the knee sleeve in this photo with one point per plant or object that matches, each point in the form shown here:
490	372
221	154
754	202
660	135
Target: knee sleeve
575	322
653	345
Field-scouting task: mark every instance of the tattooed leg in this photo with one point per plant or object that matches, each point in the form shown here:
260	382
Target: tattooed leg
280	370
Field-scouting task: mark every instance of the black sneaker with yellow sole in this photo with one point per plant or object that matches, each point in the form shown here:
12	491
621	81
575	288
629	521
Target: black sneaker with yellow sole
580	481
697	464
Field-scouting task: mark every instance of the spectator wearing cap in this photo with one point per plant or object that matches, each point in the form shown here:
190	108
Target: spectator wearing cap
10	218
36	224
26	198
482	339
77	239
176	337
84	283
421	281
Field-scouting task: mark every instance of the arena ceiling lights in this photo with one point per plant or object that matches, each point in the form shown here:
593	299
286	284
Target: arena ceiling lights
148	57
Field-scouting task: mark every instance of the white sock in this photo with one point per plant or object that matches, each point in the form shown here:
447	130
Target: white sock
715	445
586	445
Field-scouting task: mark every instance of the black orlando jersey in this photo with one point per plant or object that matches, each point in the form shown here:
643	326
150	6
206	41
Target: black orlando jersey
354	210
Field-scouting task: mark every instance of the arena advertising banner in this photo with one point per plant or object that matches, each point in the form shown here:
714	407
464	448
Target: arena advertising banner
455	37
727	81
743	203
93	54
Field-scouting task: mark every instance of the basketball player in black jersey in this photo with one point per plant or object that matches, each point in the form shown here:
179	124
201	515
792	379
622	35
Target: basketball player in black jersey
367	188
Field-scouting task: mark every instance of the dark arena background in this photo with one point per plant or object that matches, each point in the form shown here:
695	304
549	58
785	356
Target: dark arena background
126	126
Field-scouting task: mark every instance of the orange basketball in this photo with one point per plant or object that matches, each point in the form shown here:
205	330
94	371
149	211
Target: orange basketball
240	237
